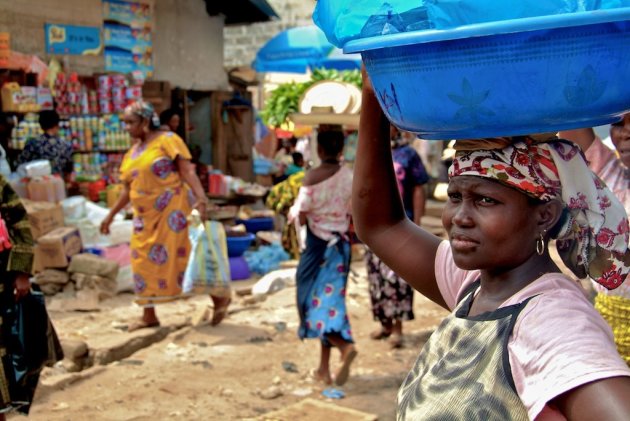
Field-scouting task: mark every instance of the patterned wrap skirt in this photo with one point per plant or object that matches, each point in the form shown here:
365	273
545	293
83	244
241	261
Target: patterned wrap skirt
322	276
391	296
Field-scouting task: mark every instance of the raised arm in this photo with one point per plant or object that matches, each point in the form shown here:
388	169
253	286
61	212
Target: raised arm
377	208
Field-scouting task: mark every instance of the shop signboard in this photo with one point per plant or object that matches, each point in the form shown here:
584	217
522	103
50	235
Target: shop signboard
136	15
5	49
118	36
119	61
127	36
70	39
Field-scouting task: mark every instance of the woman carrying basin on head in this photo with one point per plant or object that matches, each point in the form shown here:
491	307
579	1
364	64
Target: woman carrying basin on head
523	342
323	206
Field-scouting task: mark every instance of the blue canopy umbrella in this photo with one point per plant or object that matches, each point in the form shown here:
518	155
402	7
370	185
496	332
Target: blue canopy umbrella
298	49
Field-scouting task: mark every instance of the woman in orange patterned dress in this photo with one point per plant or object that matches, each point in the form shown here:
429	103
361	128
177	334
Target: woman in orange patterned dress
161	184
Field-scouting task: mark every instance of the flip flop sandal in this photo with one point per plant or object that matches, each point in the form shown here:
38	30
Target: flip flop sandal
344	371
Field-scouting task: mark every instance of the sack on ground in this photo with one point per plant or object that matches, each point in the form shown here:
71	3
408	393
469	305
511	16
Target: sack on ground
90	264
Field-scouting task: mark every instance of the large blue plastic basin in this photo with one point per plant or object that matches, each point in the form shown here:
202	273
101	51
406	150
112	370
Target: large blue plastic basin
237	245
520	76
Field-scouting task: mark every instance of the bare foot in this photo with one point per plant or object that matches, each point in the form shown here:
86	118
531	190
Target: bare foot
142	324
323	377
220	310
347	357
382	333
396	341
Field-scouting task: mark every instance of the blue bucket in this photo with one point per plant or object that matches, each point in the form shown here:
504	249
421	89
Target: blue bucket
236	246
514	77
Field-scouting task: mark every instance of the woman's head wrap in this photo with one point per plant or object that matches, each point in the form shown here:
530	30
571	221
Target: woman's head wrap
593	239
146	111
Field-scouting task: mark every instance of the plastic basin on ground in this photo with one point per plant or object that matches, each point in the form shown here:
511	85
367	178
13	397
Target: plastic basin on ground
254	225
239	268
237	245
513	77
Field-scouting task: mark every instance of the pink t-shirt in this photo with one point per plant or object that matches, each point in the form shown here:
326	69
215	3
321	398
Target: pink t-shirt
326	204
604	162
559	340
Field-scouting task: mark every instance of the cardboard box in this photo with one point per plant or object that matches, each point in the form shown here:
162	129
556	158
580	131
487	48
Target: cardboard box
37	260
43	217
11	96
58	246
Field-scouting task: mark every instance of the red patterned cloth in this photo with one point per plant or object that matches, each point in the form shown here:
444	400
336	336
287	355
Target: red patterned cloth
5	242
593	240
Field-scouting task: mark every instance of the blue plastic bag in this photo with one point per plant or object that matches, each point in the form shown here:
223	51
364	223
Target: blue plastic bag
266	258
445	14
345	20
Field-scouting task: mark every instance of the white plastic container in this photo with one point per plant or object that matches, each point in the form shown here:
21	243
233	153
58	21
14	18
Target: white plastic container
120	232
19	185
74	207
39	168
46	189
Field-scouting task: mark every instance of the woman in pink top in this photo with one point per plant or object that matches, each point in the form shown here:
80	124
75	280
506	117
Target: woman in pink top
613	167
522	342
323	205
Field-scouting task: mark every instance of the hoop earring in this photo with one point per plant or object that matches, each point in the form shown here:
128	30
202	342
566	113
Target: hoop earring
540	245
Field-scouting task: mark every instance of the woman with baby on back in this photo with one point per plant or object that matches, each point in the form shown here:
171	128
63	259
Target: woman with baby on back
522	341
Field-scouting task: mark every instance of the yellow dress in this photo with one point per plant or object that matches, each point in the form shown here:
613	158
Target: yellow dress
161	203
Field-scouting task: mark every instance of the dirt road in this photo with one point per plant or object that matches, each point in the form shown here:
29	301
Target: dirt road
251	364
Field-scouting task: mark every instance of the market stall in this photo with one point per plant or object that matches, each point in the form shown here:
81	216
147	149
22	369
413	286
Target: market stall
66	212
85	76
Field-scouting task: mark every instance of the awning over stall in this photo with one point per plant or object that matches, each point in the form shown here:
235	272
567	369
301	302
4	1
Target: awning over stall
303	48
240	12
